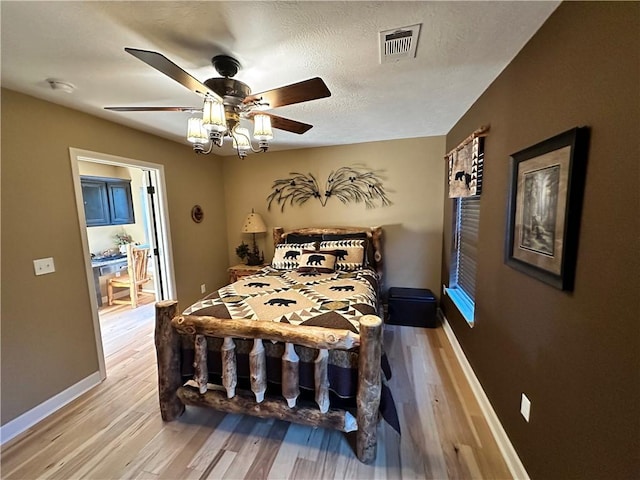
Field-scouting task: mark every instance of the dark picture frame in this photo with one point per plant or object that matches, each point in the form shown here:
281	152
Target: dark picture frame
545	204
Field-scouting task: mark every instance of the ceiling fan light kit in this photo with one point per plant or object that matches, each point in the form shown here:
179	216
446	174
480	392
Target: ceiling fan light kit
227	100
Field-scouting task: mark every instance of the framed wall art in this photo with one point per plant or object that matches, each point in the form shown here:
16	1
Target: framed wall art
545	203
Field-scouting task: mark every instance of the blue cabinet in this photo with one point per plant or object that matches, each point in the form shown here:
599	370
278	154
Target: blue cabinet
107	201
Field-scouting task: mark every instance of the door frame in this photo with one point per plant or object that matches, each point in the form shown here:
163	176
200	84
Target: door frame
162	218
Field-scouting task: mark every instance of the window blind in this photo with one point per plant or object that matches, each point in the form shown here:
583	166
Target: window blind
466	244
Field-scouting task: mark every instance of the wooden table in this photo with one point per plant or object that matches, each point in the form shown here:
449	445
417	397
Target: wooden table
238	271
105	266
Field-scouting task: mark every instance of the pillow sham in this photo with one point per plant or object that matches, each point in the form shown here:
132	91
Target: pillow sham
321	261
349	253
287	255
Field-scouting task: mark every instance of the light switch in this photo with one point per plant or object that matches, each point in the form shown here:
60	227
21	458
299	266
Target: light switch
44	265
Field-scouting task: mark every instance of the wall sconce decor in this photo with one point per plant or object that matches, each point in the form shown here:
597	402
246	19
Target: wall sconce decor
197	214
347	184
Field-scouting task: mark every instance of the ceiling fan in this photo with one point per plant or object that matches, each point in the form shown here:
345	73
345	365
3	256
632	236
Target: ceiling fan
227	100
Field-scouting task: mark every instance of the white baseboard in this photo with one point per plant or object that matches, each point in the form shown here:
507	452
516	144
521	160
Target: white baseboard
504	444
28	419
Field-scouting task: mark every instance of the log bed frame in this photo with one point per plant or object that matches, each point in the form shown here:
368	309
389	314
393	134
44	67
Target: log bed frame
173	395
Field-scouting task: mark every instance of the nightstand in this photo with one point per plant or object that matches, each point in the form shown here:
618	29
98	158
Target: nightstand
238	271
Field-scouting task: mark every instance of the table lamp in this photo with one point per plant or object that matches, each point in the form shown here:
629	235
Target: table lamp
254	224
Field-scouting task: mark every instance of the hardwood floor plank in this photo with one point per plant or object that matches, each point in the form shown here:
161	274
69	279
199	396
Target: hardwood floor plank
288	452
204	457
309	450
456	388
268	451
250	446
114	431
179	467
221	466
114	459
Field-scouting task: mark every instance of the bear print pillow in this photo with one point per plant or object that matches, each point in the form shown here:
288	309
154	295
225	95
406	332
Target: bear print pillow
287	255
321	261
350	253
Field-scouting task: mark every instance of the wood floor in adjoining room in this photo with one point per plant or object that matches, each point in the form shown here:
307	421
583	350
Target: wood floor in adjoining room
115	431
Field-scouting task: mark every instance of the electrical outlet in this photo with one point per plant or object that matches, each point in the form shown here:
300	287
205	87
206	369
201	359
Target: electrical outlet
525	407
203	288
44	265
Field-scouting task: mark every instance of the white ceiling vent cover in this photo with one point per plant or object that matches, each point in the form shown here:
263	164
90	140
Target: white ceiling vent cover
399	43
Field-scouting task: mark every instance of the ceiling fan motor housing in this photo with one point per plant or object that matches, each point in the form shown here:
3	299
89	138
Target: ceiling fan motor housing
225	65
228	87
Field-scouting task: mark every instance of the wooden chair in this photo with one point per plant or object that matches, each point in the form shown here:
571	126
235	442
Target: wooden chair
136	276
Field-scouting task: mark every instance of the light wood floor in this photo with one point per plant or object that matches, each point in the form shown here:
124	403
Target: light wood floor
115	430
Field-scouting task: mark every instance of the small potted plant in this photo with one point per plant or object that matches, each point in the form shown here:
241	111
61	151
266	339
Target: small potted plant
242	251
122	239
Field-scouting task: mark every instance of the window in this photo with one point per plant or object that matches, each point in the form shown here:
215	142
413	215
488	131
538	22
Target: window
464	250
462	278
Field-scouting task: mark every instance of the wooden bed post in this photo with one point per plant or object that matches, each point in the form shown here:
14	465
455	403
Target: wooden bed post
369	387
277	235
168	356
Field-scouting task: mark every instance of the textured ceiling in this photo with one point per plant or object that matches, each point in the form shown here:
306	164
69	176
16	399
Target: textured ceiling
462	47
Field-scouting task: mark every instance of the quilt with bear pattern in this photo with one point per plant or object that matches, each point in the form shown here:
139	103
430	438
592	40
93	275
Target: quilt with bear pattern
334	300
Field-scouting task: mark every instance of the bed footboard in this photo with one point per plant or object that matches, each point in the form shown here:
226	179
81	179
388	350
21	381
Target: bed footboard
174	396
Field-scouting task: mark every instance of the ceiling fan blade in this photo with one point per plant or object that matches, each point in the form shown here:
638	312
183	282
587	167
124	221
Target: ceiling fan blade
154	109
304	91
170	69
282	123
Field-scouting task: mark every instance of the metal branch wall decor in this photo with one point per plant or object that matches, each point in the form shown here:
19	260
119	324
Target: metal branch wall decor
347	184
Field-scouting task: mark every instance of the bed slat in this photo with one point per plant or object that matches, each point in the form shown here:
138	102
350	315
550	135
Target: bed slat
290	375
229	368
322	379
258	369
201	372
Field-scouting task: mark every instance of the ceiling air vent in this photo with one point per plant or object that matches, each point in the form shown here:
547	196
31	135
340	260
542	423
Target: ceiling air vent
399	43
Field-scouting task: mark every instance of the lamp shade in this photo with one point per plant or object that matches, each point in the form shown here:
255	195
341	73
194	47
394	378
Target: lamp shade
254	224
213	118
262	127
241	140
195	132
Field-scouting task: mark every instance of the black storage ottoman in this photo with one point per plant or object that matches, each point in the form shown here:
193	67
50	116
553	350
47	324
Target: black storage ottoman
415	307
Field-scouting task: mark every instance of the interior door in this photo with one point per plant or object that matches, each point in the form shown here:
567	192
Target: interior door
155	235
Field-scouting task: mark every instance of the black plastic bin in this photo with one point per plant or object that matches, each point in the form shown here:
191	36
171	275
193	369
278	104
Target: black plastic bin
415	307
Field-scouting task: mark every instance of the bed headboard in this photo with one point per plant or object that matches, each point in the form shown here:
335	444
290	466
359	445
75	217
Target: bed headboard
373	234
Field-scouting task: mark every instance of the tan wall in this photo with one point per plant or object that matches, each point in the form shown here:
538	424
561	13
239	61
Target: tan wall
575	354
412	224
47	339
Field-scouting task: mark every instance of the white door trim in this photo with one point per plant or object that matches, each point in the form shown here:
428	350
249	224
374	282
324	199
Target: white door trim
75	155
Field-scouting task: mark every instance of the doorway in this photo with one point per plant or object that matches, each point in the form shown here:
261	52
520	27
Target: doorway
151	228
